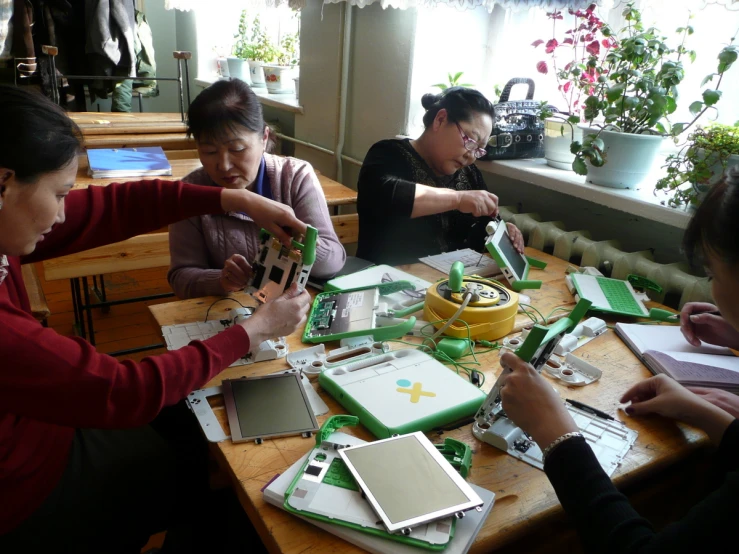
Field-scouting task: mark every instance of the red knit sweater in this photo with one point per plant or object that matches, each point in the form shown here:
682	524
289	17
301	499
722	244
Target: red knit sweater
50	384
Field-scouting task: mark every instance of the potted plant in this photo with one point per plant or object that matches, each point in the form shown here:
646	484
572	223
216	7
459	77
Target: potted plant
628	112
699	164
280	74
257	49
452	81
237	65
568	56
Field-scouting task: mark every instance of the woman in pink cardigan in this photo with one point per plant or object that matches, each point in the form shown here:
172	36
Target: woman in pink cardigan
210	255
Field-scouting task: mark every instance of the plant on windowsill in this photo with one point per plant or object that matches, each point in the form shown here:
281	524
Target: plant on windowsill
280	75
452	81
699	164
569	54
254	47
628	112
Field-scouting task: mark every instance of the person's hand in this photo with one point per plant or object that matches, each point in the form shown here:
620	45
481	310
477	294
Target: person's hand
478	203
516	237
272	216
236	273
727	401
279	318
531	402
664	396
698	326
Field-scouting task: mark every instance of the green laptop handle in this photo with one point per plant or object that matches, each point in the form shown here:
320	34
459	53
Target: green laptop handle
333	424
394	286
538	264
540	334
308	247
518	286
456	276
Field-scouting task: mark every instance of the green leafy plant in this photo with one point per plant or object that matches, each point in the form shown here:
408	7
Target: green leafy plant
252	41
636	91
453	81
287	53
691	171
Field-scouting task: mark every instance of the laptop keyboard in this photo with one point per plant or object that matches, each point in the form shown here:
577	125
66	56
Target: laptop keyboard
619	296
339	475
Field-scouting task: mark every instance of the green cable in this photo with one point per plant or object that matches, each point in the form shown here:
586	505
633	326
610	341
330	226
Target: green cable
537	311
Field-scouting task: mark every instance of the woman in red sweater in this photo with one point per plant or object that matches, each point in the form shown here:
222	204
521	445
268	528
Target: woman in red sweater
95	455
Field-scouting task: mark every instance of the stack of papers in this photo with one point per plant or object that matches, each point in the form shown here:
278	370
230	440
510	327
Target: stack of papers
474	262
147	161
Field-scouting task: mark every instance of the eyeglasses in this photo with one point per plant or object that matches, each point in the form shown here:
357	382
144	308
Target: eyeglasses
471	145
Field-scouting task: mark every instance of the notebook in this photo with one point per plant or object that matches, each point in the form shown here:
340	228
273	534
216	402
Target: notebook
608	295
145	161
352	265
663	349
465	533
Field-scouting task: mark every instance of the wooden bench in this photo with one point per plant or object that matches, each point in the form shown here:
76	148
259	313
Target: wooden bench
141	252
39	307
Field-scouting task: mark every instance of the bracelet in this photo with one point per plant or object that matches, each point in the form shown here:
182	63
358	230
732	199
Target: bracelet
556	442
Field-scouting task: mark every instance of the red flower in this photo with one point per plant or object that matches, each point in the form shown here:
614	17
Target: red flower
551	45
593	48
537	43
568	40
567	86
541	67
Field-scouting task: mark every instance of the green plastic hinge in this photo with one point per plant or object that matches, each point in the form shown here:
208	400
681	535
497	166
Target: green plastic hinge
538	264
643	283
518	286
458	454
333	424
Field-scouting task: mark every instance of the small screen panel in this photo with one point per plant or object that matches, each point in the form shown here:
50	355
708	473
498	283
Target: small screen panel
271	406
516	260
405	479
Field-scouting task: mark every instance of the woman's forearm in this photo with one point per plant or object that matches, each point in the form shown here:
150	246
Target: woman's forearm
431	200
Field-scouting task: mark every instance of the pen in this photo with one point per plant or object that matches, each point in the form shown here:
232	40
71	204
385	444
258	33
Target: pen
589	409
714	312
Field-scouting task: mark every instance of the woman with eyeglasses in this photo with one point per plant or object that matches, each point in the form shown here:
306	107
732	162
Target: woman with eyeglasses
425	196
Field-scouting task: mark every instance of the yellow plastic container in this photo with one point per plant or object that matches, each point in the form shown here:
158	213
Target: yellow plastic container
490	317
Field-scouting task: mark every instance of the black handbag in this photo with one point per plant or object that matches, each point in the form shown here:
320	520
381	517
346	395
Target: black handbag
518	131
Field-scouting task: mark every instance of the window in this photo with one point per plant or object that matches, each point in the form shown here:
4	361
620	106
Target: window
492	48
216	29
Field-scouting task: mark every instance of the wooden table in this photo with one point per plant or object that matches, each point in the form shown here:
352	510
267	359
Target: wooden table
119	123
336	193
525	501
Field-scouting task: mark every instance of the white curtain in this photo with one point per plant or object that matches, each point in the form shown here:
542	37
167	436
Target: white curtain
187	5
514	5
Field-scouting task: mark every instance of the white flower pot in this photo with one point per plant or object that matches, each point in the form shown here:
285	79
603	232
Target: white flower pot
279	79
558	135
629	158
256	73
238	69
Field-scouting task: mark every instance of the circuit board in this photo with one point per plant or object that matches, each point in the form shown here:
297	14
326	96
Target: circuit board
343	312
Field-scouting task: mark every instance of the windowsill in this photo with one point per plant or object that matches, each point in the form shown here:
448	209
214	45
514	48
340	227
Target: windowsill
287	102
641	202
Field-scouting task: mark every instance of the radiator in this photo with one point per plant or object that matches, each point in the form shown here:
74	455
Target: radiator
678	285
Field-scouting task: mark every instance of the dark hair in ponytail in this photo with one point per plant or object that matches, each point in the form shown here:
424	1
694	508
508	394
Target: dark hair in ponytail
459	102
715	225
38	137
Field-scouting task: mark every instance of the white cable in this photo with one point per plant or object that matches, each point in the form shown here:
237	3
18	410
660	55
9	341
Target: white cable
452	319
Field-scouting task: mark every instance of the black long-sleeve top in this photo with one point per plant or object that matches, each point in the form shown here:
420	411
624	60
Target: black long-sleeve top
607	523
387	188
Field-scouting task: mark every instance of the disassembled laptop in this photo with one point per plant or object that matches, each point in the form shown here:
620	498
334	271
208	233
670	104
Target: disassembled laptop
609	439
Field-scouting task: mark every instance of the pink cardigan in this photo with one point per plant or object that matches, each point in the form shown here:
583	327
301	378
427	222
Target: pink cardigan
200	246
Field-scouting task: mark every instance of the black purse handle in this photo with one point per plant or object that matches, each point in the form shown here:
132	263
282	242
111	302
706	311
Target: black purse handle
518	81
